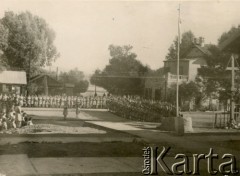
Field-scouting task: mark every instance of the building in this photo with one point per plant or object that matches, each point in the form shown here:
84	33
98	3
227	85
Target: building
193	59
154	88
46	85
68	89
13	82
154	85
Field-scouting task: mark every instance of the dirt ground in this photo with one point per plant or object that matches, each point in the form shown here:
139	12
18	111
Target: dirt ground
109	149
81	149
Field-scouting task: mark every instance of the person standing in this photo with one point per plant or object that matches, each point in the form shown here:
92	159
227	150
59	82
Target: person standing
24	101
65	111
28	101
57	101
40	101
32	101
77	110
54	102
35	101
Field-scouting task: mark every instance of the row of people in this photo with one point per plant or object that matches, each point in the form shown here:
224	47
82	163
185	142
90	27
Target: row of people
55	101
14	118
139	109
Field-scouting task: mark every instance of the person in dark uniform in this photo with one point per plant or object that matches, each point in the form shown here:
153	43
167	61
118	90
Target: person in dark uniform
65	111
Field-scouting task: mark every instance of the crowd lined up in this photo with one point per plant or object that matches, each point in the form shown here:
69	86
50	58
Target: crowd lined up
129	107
55	101
13	117
140	109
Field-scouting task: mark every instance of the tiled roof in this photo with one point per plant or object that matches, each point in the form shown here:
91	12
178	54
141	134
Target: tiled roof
13	77
203	49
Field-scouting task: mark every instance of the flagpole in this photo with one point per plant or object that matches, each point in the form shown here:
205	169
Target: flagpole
177	85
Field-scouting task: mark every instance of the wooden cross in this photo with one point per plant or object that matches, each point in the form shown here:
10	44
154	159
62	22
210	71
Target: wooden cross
232	68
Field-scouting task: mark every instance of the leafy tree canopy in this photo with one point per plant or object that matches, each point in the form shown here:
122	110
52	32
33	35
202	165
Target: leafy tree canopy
72	76
3	37
214	78
185	44
123	74
228	34
29	41
75	77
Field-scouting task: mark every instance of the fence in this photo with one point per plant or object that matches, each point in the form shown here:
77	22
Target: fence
222	119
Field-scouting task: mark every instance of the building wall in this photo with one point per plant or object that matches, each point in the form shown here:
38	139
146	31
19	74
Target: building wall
187	68
194	65
8	88
172	67
154	88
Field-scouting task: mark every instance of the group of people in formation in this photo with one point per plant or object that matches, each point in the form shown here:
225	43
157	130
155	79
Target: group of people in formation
140	109
131	107
11	116
55	101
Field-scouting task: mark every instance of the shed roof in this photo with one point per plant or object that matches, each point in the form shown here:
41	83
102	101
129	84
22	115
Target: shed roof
13	77
40	78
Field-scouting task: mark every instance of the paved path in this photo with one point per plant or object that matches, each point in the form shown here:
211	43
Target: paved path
198	142
12	165
60	139
21	165
147	132
89	165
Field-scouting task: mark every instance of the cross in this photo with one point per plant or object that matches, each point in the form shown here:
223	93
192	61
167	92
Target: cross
232	68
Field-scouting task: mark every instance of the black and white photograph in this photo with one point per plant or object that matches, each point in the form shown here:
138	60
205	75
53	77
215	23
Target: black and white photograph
119	87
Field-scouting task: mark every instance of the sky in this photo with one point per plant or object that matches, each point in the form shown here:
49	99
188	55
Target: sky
85	29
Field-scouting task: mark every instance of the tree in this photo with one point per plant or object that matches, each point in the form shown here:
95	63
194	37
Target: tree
124	73
188	91
3	45
3	37
214	78
81	86
186	43
30	42
75	77
72	76
228	34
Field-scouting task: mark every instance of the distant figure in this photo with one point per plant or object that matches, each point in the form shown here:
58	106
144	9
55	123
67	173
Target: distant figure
65	112
77	110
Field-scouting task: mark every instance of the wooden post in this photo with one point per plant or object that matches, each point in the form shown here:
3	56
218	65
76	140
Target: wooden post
232	89
177	120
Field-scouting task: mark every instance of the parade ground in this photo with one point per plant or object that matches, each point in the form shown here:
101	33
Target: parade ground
98	142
